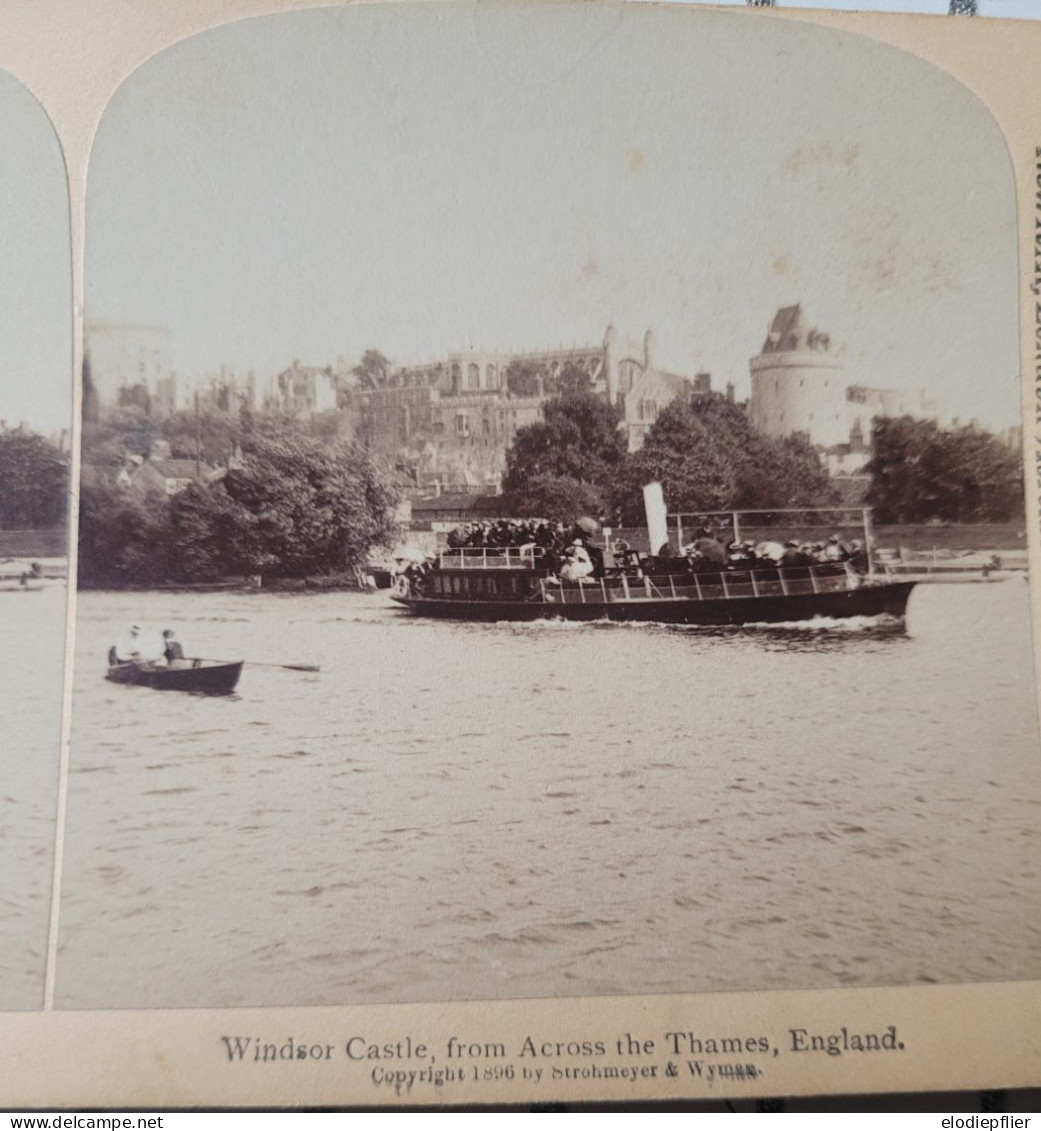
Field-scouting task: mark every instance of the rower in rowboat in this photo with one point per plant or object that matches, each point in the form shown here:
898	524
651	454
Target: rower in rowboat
173	653
142	647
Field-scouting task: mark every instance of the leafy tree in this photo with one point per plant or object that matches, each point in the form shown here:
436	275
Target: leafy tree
300	508
962	8
522	378
122	429
208	535
122	537
559	498
295	509
211	436
707	456
573	380
921	473
527	379
567	460
33	481
136	396
372	370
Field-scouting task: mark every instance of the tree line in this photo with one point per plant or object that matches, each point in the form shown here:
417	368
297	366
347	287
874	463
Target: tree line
34	480
302	501
293	506
707	457
705	454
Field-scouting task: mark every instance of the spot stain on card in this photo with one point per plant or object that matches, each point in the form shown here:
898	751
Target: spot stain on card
822	153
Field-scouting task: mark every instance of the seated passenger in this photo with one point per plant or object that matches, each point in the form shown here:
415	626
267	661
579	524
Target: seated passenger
709	551
834	551
578	563
596	557
858	556
795	556
139	646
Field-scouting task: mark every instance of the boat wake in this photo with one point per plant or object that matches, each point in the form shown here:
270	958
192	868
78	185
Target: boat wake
882	624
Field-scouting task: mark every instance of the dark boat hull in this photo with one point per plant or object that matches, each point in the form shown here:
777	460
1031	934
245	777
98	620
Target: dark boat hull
206	679
870	600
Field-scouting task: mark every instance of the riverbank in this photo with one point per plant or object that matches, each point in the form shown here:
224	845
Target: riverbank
349	583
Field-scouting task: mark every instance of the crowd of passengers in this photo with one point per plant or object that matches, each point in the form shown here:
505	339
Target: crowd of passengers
707	554
511	532
569	553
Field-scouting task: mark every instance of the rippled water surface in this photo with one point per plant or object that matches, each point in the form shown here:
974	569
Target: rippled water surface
454	811
32	654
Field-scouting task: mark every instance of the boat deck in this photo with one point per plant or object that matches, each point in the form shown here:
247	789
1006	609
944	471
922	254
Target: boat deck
724	586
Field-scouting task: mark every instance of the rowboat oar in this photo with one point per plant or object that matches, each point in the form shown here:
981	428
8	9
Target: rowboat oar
285	667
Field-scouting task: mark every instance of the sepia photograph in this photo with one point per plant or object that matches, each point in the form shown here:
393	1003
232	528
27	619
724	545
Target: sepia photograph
551	522
35	430
551	529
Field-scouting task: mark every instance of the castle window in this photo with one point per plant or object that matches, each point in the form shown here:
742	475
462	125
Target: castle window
648	411
462	424
473	374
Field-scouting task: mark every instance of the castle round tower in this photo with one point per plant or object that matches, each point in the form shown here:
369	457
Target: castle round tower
798	383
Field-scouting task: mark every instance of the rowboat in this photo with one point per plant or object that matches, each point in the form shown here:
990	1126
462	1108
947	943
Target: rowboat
199	677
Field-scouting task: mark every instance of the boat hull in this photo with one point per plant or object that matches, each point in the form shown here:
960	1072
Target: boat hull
206	679
869	600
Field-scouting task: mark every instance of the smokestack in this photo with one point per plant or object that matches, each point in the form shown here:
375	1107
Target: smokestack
657	520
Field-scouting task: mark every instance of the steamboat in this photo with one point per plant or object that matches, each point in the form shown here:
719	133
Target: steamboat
522	583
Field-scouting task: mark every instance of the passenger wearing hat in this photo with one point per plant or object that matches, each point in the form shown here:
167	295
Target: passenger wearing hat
129	648
794	556
140	646
858	556
708	555
578	563
585	530
834	551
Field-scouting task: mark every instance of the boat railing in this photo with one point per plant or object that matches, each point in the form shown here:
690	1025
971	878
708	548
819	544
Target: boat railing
489	557
720	586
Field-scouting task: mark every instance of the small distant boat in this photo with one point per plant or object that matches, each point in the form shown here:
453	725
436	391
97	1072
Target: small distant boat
20	577
202	677
382	578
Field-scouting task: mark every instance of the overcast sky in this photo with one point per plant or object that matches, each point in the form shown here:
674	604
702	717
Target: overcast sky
35	268
422	180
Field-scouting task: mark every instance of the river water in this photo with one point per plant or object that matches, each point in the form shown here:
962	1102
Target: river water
452	811
32	658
